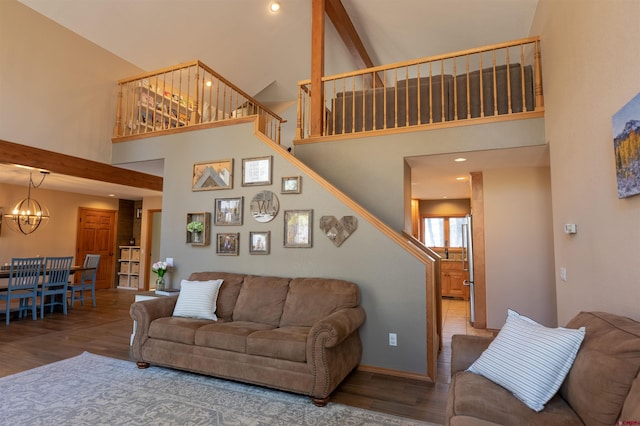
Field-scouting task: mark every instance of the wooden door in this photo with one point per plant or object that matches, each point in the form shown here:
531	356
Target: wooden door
96	235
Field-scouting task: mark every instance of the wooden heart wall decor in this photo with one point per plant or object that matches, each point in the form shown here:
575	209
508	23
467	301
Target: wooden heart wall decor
338	230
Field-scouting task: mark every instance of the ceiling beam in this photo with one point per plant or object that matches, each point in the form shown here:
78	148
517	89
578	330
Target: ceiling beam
344	26
13	153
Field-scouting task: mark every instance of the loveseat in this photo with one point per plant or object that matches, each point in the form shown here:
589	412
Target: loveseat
601	388
295	334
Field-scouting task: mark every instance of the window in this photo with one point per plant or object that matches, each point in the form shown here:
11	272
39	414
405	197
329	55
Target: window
443	231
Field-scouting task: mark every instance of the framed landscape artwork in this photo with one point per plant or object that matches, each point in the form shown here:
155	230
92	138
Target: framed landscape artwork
212	175
626	148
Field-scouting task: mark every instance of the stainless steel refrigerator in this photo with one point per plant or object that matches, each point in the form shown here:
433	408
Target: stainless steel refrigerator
467	263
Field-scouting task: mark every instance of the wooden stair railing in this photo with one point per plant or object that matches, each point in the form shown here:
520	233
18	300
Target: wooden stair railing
184	96
500	81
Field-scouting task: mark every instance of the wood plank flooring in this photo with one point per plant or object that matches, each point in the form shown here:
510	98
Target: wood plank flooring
106	329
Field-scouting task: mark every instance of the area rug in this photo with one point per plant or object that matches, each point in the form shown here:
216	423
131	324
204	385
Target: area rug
96	390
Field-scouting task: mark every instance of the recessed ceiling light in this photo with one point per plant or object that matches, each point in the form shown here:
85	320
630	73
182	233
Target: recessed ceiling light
460	159
461	178
208	83
275	6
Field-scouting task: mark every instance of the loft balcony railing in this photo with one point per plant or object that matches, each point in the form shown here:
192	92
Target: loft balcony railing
501	81
185	96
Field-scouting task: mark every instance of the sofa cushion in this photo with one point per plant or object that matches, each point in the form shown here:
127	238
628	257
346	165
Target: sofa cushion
288	343
176	329
261	300
529	359
230	336
311	299
606	366
197	299
477	397
228	293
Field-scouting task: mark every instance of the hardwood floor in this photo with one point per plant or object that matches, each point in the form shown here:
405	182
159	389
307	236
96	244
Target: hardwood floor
105	330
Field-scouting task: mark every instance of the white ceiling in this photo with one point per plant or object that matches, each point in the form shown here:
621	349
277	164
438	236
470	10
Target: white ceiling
266	54
440	176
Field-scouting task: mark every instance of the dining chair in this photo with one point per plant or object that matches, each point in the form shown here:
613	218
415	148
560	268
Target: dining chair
24	274
54	283
87	280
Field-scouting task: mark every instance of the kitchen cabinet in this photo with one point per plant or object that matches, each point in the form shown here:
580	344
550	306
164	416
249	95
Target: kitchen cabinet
452	280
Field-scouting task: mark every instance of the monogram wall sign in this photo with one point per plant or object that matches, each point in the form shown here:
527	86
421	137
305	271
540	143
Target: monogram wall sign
264	206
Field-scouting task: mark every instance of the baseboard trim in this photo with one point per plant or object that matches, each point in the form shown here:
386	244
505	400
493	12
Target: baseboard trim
394	373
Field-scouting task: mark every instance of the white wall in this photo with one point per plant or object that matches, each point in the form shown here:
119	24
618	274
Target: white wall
371	170
392	281
56	238
59	91
519	245
591	64
377	162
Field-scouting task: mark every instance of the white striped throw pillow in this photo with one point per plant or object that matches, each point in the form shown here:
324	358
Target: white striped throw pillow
529	359
198	299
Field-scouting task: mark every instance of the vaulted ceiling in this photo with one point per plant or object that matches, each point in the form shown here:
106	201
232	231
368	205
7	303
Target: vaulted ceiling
266	54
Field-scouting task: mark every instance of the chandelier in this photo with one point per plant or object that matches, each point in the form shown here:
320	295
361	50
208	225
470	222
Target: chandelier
28	214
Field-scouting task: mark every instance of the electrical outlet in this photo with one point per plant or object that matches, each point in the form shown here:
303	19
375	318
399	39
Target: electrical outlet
393	339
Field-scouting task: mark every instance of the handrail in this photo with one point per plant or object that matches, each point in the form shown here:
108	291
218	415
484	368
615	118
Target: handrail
188	94
479	83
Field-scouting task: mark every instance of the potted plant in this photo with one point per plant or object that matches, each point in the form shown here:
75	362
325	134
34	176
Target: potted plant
195	227
160	268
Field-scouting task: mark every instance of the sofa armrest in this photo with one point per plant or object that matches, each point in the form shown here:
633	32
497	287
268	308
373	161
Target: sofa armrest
338	326
465	349
143	313
334	349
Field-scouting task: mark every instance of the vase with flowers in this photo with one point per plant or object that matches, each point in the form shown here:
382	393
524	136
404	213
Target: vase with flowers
160	268
196	228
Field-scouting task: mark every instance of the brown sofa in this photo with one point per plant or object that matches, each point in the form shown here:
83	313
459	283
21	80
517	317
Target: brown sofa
294	334
602	387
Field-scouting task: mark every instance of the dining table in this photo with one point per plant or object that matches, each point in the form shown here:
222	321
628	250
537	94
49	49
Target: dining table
4	273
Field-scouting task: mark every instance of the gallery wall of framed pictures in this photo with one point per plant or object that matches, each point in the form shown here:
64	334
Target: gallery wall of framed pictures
264	207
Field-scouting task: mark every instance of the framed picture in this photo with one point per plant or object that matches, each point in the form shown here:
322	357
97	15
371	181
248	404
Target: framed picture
626	126
227	243
298	225
212	175
259	242
256	171
291	185
228	211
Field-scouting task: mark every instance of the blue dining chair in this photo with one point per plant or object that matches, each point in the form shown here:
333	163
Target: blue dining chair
24	274
55	282
87	281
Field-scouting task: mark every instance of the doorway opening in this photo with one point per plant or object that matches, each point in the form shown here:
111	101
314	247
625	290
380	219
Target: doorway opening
152	245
